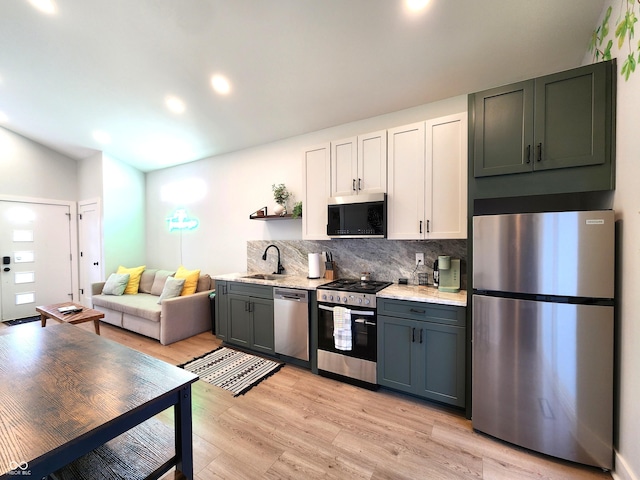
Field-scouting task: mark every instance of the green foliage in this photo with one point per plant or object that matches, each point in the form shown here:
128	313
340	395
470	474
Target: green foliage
280	193
297	210
625	31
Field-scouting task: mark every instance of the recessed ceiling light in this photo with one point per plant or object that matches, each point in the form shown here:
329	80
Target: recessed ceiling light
174	104
3	117
416	5
220	84
102	137
45	6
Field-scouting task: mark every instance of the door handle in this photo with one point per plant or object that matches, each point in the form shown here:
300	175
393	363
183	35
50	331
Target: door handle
420	335
7	269
353	187
95	263
359	184
528	153
540	152
413	334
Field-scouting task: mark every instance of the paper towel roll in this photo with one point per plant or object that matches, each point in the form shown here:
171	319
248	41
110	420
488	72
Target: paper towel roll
314	265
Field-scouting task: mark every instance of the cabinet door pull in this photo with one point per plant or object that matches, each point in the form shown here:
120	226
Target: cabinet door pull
528	153
359	184
353	187
420	226
413	335
428	226
413	310
420	335
539	152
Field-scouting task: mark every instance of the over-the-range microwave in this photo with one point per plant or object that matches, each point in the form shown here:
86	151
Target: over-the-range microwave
357	216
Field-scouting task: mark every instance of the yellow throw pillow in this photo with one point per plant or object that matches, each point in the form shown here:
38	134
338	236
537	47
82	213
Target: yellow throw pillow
190	280
134	278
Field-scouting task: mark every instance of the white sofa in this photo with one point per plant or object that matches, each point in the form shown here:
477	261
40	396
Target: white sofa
174	319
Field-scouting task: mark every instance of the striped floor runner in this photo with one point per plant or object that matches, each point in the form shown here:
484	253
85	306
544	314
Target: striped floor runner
232	370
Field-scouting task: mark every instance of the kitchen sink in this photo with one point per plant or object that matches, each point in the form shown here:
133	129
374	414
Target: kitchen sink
263	276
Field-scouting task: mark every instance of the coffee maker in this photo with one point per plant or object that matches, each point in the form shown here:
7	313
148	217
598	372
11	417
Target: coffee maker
446	274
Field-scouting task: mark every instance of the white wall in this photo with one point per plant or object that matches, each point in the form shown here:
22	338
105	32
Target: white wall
627	209
28	169
238	184
123	215
90	183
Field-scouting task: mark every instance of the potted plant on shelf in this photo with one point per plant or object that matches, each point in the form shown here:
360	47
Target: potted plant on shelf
297	210
280	195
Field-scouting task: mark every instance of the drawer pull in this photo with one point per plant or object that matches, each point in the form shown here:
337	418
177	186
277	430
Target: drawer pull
413	310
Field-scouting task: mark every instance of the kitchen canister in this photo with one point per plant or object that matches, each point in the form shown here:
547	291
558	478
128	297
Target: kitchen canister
314	265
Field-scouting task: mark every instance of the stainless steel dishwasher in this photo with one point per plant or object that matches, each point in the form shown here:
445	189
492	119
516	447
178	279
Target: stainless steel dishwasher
291	322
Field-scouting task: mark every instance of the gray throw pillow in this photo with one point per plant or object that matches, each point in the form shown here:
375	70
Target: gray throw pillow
172	288
158	281
115	284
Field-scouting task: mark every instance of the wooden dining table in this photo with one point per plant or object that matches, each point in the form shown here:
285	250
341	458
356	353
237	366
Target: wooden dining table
66	391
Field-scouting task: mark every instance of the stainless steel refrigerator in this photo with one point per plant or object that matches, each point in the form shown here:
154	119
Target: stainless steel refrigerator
543	326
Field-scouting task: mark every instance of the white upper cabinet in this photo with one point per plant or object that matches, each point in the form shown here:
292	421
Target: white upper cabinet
359	165
405	195
317	181
427	185
446	157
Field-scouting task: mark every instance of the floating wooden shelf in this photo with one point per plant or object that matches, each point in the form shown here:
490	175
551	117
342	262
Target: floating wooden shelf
272	217
262	215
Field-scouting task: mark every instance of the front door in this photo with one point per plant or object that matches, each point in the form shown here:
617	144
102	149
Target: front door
35	247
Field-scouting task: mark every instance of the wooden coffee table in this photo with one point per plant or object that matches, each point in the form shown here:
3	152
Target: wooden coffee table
86	315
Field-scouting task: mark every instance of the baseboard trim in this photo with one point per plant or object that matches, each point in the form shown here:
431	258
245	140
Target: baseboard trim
622	470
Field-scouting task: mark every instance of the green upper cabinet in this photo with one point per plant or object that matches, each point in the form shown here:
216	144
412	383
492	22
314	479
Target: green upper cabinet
551	122
504	130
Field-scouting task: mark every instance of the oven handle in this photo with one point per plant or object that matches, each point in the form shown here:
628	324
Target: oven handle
358	312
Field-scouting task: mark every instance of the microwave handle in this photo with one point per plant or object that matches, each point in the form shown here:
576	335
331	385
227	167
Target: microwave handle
358	312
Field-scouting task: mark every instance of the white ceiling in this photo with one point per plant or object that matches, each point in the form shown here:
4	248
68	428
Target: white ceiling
295	66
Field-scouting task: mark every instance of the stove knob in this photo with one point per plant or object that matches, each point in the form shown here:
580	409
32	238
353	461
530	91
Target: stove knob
324	296
344	299
359	300
367	301
331	297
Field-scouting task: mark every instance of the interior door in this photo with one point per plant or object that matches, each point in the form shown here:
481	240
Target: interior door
89	233
35	245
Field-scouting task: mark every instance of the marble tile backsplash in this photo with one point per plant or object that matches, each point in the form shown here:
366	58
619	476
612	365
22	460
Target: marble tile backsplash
387	260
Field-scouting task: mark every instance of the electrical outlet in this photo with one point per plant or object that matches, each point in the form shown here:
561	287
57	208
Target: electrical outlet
419	258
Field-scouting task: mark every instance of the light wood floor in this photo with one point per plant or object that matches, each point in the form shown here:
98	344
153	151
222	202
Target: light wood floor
302	426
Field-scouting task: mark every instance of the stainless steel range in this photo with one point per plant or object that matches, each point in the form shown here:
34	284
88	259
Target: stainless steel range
347	330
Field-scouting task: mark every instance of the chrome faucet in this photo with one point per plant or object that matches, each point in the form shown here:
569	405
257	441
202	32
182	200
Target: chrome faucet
280	268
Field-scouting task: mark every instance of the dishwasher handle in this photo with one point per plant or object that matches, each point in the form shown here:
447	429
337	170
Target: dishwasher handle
290	295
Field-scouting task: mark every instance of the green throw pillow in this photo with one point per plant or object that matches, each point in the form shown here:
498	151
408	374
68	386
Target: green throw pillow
172	288
115	284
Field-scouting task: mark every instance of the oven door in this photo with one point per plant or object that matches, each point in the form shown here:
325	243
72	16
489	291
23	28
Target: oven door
364	334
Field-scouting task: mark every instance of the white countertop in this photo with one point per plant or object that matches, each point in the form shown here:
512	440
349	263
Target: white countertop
419	293
288	281
416	293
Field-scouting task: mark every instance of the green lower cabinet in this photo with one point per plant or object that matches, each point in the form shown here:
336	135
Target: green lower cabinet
240	321
222	310
442	358
262	325
249	317
422	358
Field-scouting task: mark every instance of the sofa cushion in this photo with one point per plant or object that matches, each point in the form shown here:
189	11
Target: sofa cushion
204	283
134	280
146	280
191	280
143	305
159	281
115	284
172	288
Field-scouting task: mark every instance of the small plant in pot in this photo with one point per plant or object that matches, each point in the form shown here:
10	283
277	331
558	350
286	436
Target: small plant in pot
280	195
297	210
